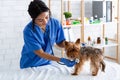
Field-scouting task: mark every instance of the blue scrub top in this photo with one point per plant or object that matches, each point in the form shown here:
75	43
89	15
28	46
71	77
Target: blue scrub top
36	39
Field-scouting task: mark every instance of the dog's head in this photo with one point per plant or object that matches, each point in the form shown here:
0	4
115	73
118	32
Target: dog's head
72	49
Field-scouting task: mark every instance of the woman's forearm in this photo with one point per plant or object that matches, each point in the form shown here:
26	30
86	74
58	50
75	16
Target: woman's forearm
43	54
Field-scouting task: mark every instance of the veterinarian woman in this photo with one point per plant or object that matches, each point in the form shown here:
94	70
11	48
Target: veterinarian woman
40	34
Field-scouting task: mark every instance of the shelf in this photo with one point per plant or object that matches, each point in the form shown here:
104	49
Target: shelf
94	24
69	26
104	45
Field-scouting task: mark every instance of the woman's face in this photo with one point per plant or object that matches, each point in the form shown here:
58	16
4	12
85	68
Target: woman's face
42	19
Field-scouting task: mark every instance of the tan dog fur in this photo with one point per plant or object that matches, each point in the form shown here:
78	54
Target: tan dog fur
95	55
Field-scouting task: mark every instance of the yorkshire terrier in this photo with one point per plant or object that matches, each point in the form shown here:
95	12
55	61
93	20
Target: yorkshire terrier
75	52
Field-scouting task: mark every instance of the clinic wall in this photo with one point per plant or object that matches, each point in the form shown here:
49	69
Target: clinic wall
13	18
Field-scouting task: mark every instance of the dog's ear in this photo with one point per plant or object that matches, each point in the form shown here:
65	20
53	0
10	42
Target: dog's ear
66	43
77	41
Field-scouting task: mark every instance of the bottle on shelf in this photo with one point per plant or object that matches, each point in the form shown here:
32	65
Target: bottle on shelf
98	40
89	40
106	40
91	20
95	17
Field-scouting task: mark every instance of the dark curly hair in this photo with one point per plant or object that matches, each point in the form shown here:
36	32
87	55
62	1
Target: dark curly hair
36	7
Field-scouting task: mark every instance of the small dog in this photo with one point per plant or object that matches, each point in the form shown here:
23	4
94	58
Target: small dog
95	55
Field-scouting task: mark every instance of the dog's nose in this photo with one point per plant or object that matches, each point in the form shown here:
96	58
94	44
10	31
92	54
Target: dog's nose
72	56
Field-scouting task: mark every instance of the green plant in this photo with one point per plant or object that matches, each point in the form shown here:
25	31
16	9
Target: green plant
67	14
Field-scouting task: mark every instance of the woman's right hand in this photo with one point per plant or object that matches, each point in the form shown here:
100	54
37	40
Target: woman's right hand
67	62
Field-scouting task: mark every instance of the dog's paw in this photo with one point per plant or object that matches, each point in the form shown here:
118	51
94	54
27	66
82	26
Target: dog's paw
94	74
74	74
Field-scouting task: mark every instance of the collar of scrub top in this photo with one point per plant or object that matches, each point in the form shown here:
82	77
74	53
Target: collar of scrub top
47	30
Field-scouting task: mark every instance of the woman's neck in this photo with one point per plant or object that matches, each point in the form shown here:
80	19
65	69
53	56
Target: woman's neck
43	28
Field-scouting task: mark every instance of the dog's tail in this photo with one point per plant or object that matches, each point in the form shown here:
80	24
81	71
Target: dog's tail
103	65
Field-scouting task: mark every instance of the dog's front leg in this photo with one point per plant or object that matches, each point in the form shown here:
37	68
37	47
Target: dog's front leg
78	68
